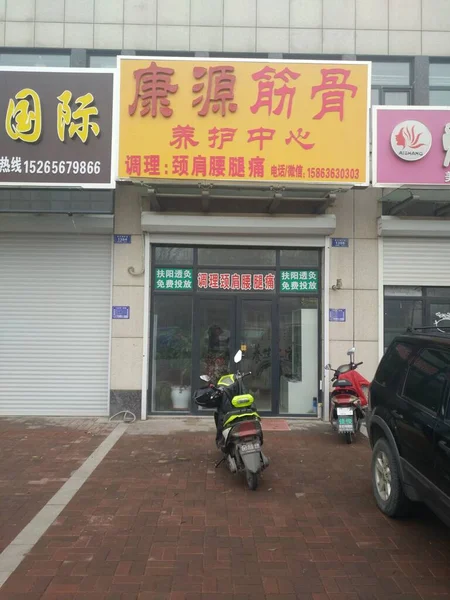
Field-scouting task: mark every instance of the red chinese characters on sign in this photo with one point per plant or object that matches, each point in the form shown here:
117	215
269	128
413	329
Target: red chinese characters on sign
183	136
219	137
258	282
269	282
333	87
245	282
152	164
153	86
219	94
217	166
133	165
213	281
297	138
260	135
236	166
268	93
199	167
256	167
280	171
235	282
202	281
225	281
180	165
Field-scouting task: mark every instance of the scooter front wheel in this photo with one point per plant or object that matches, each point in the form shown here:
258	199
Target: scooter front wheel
252	480
348	438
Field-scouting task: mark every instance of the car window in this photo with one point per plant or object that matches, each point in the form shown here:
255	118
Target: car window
427	377
394	364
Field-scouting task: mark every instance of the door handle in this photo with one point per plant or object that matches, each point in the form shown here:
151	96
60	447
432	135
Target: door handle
398	415
443	446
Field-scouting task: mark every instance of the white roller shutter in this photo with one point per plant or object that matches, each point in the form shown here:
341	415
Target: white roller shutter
418	261
55	296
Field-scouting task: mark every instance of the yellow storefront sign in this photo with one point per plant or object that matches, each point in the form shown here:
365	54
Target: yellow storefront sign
244	120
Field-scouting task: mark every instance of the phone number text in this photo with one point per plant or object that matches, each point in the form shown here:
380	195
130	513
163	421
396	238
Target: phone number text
62	167
328	173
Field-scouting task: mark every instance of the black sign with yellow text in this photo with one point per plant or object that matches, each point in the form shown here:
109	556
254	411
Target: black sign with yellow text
56	128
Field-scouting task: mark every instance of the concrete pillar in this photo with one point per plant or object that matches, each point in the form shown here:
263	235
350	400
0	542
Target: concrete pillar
357	266
128	290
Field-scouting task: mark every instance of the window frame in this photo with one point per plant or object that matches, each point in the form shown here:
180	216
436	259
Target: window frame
61	52
445	388
438	88
424	298
102	54
383	88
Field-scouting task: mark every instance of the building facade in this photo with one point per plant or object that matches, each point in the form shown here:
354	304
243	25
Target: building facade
116	247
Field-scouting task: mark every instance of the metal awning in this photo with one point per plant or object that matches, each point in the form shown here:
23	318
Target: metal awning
416	202
235	198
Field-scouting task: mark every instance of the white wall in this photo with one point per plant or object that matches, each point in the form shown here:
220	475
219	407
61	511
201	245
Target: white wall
402	27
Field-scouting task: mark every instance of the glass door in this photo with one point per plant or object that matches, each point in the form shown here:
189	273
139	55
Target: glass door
215	339
299	355
255	338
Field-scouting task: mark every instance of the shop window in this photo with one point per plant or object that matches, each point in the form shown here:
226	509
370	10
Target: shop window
399	315
230	257
426	378
166	255
438	292
172	353
414	306
299	258
440	84
22	59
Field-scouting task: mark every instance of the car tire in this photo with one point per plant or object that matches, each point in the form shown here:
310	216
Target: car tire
386	481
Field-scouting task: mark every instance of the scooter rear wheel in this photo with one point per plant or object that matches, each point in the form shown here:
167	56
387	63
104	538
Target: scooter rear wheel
252	480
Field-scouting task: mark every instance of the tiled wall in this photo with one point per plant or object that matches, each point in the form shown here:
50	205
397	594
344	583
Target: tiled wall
408	27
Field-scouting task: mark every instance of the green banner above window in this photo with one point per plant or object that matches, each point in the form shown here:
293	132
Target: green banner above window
174	279
299	281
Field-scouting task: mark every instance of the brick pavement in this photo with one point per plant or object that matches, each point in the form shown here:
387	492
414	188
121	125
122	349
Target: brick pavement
36	457
156	521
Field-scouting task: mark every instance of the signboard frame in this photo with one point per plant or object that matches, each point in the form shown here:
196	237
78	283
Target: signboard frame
113	151
332	183
375	143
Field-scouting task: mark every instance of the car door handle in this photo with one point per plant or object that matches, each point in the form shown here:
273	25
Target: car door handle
398	415
443	445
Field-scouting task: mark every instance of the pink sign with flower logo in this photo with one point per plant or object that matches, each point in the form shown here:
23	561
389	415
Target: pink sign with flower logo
411	146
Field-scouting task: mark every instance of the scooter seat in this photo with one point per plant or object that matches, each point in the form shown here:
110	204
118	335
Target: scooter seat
343	383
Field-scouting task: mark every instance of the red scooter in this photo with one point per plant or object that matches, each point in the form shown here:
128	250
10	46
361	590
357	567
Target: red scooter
348	400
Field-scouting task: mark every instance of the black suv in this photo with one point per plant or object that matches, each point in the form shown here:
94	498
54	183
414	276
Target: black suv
408	423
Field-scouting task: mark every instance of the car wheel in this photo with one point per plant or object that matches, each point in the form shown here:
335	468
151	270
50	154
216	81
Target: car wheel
386	481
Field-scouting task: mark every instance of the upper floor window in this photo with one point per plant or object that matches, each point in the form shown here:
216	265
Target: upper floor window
391	82
440	84
22	59
103	61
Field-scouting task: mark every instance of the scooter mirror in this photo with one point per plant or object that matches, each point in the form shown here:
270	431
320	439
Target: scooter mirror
328	367
351	351
206	378
238	356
